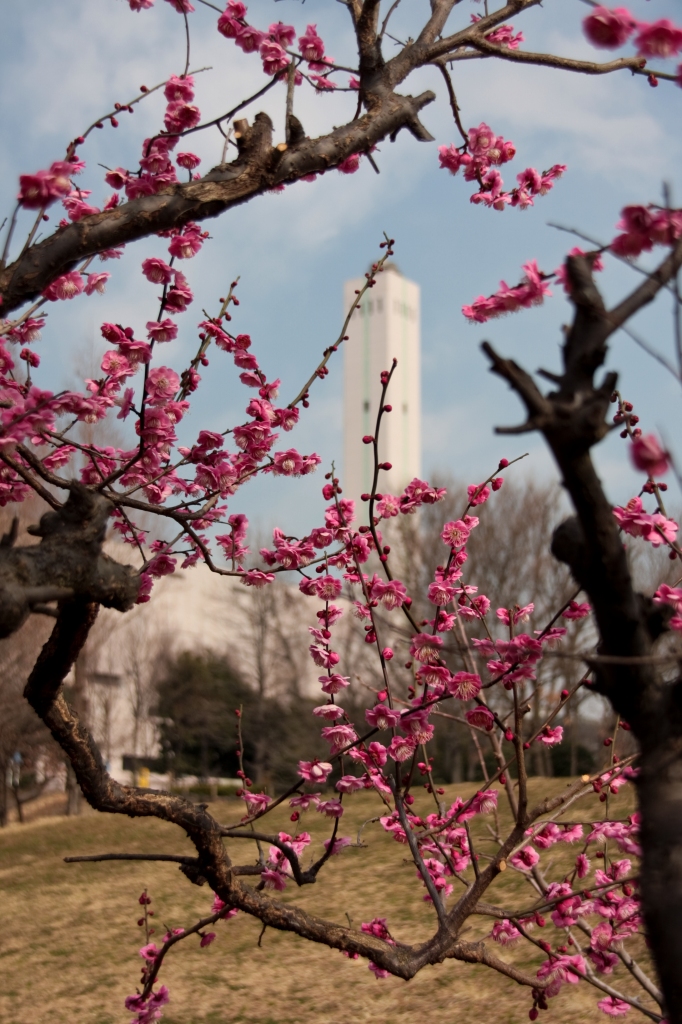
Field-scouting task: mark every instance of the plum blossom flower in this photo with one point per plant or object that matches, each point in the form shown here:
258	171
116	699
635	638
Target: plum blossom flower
256	578
36	191
455	533
402	747
609	28
274	57
576	610
351	164
658	39
524	859
334	683
382	717
96	283
310	44
425	647
550	737
481	717
504	932
157	270
613	1007
314	771
186	244
149	952
162	385
65	287
464	685
161	330
647	455
391	594
478	493
322	656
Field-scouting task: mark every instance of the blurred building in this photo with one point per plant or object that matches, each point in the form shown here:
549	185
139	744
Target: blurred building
386	326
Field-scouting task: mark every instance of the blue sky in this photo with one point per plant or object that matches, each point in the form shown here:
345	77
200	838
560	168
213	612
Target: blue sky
64	65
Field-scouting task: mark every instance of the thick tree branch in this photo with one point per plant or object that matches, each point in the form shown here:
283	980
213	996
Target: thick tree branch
68	562
258	167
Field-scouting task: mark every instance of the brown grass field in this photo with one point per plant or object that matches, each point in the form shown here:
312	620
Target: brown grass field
69	940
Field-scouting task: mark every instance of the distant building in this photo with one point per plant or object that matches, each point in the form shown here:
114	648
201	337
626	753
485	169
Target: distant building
386	326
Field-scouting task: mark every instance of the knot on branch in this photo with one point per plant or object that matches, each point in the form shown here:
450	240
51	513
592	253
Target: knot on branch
68	562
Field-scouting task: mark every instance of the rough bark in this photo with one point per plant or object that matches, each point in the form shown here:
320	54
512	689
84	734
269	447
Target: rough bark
68	562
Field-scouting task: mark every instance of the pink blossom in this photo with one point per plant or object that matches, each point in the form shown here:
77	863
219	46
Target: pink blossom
314	771
187	244
334	683
65	287
582	865
425	647
464	685
179	88
282	34
157	271
161	330
149	952
481	717
328	587
256	578
323	657
450	158
339	736
339	844
188	160
96	283
311	46
576	611
669	595
273	879
207	939
181	116
648	456
126	403
391	594
350	165
609	28
455	533
162	384
402	747
388	507
330	712
550	737
382	717
273	56
36	191
658	39
504	932
76	207
613	1007
179	295
440	593
249	39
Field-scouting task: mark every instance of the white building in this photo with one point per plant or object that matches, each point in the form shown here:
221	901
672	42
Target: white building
385	327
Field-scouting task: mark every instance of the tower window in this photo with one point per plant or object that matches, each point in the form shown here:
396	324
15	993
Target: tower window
365	406
404	407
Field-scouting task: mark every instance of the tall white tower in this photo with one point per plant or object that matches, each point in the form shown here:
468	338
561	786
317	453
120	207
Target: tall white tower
385	327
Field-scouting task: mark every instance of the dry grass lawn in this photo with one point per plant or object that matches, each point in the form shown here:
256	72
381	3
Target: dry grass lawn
69	941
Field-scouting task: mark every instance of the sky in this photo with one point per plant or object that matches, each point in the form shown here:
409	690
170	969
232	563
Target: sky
66	64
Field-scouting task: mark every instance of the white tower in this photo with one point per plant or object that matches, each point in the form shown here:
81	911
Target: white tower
385	327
